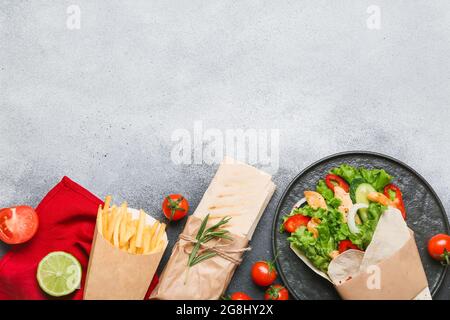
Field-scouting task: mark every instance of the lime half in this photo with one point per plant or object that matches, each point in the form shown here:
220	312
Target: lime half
59	274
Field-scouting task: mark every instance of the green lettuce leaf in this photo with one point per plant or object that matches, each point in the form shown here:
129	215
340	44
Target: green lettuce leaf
314	249
332	229
323	189
378	178
347	172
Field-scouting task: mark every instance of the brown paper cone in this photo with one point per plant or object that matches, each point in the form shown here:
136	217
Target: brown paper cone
401	277
114	274
206	280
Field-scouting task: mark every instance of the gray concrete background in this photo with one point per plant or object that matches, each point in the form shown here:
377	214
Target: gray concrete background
99	104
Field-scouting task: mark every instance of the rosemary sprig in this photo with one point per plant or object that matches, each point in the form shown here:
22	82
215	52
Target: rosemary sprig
204	236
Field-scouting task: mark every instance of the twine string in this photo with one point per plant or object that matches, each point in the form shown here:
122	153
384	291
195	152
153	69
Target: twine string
217	248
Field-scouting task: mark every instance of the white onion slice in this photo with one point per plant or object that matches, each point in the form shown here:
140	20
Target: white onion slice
299	203
351	216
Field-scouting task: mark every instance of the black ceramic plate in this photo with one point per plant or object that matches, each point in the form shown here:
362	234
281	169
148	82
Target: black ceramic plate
426	216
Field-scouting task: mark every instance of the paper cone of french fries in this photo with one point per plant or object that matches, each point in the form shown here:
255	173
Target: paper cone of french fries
389	269
127	248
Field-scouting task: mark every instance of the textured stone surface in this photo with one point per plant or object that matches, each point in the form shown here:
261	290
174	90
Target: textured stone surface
99	104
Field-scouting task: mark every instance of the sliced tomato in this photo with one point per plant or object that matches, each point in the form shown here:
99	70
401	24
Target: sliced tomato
333	180
175	207
295	222
18	224
395	195
345	245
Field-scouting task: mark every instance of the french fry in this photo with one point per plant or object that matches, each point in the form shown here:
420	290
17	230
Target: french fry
134	236
158	236
129	218
160	245
105	220
123	225
111	224
153	230
100	219
140	229
132	248
117	228
147	239
107	203
162	232
131	228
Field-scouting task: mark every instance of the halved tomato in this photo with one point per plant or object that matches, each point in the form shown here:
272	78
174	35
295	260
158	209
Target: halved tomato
18	224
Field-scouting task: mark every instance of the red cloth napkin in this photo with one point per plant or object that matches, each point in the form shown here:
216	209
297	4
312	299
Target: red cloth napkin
67	217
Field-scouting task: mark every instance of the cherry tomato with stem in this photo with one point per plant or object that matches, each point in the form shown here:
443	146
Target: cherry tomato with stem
439	248
276	292
240	296
264	273
175	207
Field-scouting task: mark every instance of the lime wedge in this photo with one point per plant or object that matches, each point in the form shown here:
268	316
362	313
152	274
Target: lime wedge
59	274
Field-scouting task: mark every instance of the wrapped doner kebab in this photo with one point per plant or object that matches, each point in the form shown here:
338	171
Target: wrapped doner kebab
215	237
351	231
389	269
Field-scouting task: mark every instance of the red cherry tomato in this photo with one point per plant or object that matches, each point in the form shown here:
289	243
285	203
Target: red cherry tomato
332	180
396	198
344	245
439	248
295	222
263	273
240	296
276	292
18	224
175	207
